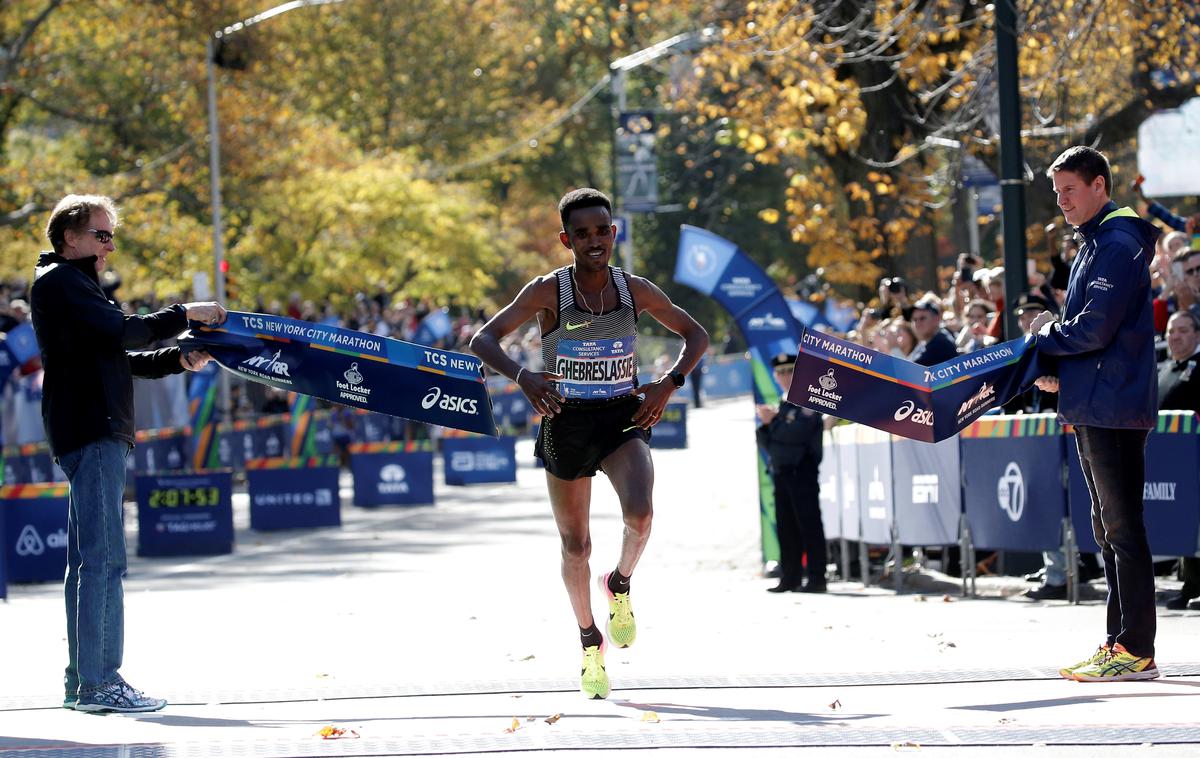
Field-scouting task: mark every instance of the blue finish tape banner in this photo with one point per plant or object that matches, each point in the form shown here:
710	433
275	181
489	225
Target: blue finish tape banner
928	404
352	368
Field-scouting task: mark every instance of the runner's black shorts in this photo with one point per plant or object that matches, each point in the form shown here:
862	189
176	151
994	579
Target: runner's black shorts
585	432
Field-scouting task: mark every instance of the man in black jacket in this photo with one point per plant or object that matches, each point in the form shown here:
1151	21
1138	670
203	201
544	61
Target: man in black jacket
935	345
87	407
792	438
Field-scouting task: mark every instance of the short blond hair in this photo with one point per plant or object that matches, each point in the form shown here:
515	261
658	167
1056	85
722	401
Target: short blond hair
74	212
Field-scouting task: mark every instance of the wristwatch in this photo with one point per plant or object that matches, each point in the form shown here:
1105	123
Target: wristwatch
676	379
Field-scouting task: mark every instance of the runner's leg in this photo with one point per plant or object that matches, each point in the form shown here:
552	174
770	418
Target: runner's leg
631	471
571	501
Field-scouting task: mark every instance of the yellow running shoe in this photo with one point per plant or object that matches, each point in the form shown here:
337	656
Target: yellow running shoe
594	679
1100	654
1119	665
622	628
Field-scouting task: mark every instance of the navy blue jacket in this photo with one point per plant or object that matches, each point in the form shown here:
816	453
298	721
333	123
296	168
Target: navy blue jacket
1104	344
87	392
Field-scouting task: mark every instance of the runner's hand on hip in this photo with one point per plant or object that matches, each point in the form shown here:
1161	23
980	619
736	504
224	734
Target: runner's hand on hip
654	399
539	388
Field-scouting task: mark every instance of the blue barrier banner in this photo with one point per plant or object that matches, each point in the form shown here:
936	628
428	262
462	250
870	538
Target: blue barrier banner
288	493
161	450
930	404
1013	482
851	518
375	427
1170	496
510	408
392	473
203	416
727	376
352	368
479	460
671	429
827	476
927	491
31	464
35	531
876	501
3	553
242	441
185	514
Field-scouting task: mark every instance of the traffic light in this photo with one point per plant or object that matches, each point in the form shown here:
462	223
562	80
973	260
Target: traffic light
230	282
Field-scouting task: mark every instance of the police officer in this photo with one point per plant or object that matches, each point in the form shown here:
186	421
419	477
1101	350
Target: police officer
792	438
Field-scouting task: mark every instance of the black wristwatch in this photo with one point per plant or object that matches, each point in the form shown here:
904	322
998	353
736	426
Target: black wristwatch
676	379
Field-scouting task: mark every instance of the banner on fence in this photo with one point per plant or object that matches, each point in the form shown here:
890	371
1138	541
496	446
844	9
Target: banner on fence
392	473
479	460
34	527
290	493
185	514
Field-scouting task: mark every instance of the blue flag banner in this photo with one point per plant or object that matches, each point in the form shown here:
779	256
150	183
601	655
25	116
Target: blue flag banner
716	267
352	368
923	403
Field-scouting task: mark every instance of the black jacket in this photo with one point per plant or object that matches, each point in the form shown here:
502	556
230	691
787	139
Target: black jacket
939	349
1179	384
87	393
792	437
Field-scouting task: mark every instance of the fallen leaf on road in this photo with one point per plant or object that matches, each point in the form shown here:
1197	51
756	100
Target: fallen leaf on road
905	747
527	658
650	717
835	704
332	732
554	719
516	724
947	599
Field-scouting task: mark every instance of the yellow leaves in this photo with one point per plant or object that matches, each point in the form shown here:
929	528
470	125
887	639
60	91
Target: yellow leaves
769	215
755	143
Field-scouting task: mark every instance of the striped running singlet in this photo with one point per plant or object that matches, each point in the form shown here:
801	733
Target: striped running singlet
595	355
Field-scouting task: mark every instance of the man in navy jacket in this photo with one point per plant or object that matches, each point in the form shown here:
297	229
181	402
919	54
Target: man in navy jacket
1104	350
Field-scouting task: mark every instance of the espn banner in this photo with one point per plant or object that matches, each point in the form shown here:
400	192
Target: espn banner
355	369
925	403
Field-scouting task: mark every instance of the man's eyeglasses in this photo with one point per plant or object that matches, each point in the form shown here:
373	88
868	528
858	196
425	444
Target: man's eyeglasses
1192	271
103	236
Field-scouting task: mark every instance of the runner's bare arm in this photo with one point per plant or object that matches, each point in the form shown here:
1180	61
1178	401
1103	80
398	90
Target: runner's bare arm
537	298
650	299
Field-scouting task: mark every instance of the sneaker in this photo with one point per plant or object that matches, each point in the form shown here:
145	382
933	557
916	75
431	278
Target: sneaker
118	697
1047	592
69	701
594	679
1119	665
1100	654
622	629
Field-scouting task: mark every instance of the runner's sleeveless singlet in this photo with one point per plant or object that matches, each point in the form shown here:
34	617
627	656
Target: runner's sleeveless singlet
595	355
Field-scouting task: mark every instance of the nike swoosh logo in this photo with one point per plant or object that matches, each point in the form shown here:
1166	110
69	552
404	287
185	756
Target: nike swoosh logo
572	327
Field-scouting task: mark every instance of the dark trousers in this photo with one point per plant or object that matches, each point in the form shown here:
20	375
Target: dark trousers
798	523
1114	465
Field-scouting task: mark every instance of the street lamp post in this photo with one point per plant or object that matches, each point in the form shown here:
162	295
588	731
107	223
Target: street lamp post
214	146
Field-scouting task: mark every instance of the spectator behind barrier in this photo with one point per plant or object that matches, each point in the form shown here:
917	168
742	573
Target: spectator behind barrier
1179	390
935	344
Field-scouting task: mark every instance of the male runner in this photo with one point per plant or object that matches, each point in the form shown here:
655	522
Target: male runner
596	417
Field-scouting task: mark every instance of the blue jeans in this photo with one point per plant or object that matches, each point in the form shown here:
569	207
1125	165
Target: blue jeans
95	563
1114	465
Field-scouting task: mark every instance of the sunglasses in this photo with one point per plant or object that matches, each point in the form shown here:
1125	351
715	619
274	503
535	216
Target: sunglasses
1192	271
103	236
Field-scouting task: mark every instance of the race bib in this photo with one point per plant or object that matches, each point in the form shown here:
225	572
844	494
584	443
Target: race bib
596	369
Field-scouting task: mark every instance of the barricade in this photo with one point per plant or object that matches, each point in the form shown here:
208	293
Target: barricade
31	464
510	408
34	527
1013	482
479	460
727	376
927	493
828	478
850	527
392	473
671	430
291	493
185	514
245	440
1170	497
876	504
160	450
